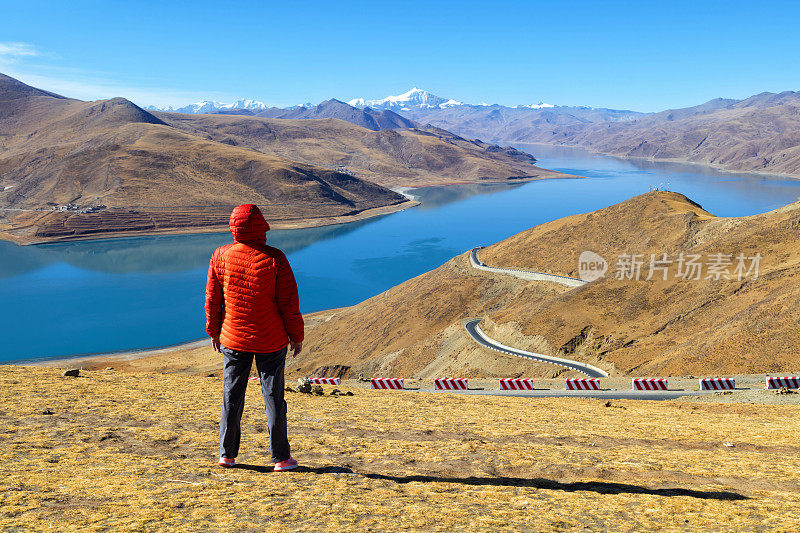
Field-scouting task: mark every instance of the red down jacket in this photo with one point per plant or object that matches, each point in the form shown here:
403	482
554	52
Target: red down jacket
251	294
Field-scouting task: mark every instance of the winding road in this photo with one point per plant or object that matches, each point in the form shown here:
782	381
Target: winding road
474	330
524	274
481	338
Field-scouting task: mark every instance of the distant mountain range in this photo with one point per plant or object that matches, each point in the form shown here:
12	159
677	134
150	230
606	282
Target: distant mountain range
760	133
411	99
408	100
369	118
211	106
70	168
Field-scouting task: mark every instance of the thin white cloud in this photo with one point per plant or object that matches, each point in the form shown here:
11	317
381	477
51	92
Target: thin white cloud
23	62
13	50
89	88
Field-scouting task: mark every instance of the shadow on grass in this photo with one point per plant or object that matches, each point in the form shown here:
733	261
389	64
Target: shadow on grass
600	487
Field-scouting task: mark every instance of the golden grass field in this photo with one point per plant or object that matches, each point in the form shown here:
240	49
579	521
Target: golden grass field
137	451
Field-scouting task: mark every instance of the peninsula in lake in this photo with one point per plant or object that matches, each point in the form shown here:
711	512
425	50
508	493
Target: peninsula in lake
75	169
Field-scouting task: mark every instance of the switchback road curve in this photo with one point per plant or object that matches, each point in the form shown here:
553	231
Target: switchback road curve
474	331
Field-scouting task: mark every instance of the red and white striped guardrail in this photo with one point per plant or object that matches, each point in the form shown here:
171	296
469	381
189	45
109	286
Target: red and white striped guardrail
790	382
450	384
325	381
516	384
387	383
717	384
649	384
583	384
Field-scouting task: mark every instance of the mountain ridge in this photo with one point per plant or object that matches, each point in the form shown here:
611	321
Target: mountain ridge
73	169
665	327
369	118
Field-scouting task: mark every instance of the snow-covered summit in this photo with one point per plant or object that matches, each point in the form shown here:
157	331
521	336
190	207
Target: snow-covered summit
211	106
540	105
413	98
420	99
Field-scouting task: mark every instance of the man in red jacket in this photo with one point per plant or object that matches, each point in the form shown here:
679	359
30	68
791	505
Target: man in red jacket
252	311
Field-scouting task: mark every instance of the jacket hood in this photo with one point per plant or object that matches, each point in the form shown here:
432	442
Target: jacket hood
247	224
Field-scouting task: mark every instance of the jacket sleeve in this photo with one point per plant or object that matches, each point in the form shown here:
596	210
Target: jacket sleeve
215	302
288	301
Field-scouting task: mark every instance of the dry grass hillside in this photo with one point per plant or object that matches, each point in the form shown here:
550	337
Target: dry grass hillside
111	451
761	133
149	176
121	169
673	327
676	326
407	157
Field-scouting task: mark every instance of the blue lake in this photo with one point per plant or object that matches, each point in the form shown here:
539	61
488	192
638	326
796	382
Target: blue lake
134	293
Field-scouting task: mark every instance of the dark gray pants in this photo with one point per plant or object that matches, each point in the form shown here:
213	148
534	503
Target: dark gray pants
235	374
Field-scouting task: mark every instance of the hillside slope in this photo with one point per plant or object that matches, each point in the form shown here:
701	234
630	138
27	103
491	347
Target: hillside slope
497	123
407	157
760	133
125	170
673	327
371	119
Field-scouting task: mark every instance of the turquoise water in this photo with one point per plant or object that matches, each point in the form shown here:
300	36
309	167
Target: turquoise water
133	293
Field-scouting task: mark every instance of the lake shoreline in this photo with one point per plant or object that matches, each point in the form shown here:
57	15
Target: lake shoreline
278	225
715	166
94	361
73	361
79	356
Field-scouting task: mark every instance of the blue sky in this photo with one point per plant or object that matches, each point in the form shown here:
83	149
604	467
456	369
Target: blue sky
641	55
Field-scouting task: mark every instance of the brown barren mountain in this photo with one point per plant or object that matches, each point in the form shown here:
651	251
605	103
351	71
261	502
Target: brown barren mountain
392	158
124	170
369	118
673	327
656	327
760	133
71	169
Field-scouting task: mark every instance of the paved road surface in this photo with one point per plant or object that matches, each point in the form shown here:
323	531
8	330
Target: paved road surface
524	274
484	340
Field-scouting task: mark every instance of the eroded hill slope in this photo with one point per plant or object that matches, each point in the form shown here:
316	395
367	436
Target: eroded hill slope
675	326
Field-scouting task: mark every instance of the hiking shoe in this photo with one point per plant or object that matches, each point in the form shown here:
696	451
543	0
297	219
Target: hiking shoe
288	464
226	462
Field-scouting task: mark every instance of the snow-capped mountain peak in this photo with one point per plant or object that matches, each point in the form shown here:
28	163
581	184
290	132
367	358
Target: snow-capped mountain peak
211	106
413	98
540	105
417	98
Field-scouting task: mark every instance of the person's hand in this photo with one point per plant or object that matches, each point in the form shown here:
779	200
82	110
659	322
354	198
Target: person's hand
297	347
215	344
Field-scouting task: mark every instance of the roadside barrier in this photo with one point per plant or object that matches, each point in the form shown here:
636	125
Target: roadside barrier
325	381
790	382
450	384
387	383
717	384
583	384
649	384
516	384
